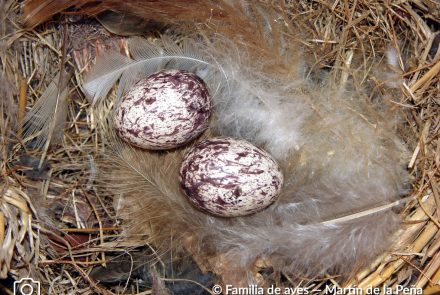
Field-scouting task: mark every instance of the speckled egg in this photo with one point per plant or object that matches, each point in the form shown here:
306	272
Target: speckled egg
164	111
229	177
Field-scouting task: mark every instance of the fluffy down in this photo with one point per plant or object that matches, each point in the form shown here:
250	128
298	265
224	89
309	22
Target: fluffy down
346	159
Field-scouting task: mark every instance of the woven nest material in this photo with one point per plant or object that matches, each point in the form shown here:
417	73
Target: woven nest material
55	226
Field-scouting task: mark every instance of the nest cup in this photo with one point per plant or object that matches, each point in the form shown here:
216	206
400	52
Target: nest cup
54	214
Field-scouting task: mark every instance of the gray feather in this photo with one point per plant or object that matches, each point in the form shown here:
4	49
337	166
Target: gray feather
340	155
48	107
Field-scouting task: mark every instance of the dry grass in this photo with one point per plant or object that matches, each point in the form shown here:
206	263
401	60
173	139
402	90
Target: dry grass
75	227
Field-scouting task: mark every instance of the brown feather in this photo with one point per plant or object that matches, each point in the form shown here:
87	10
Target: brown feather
39	11
254	27
36	12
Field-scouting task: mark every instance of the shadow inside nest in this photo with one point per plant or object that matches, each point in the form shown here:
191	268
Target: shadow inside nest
141	271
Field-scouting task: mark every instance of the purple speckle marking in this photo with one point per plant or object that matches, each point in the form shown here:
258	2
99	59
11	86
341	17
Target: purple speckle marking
163	111
229	177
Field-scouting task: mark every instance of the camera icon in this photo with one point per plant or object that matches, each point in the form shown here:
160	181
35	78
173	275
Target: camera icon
26	286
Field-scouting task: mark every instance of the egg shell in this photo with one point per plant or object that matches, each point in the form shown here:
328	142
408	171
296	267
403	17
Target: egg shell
229	177
163	111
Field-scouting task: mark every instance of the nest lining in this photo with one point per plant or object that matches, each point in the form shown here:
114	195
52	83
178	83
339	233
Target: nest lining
86	227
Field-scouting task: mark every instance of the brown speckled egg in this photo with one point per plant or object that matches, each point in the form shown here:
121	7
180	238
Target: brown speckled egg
164	111
229	177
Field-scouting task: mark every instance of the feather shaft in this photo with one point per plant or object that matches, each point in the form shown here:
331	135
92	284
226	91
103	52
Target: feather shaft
368	212
22	99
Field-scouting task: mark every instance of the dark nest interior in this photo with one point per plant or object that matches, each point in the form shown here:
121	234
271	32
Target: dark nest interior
59	227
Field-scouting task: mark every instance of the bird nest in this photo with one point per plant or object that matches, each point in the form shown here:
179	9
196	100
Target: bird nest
59	228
